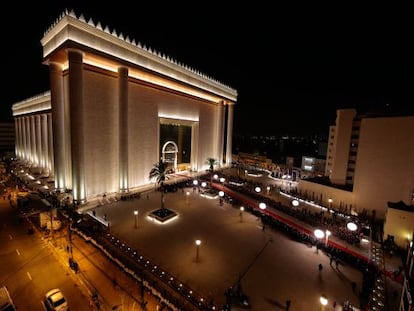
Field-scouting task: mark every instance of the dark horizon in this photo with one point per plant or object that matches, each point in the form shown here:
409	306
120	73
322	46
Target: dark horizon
292	68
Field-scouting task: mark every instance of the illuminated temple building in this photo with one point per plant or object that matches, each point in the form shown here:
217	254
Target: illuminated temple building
114	109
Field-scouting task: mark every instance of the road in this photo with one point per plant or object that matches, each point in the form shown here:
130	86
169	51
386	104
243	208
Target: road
30	267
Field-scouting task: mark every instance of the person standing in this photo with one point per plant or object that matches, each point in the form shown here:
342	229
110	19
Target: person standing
288	303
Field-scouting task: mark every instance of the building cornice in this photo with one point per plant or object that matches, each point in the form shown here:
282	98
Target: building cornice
126	52
33	104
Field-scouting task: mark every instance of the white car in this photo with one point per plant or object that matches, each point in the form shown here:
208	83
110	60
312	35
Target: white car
56	301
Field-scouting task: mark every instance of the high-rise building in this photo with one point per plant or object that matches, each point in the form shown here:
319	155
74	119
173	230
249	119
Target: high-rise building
369	165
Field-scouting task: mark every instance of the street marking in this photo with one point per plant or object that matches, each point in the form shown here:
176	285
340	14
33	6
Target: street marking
10	237
29	275
17	251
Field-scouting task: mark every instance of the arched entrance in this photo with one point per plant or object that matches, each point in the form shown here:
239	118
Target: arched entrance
169	154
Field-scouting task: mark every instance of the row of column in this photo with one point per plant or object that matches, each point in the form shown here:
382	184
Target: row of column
34	140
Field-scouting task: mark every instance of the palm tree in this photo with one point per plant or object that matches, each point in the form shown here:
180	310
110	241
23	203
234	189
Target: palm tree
159	172
211	162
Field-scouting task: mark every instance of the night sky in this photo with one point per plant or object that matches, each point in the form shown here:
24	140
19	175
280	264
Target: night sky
293	65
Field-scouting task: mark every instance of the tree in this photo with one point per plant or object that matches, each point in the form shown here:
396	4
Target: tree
211	162
159	172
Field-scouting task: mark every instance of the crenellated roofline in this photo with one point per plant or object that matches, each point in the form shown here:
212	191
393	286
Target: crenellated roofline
75	29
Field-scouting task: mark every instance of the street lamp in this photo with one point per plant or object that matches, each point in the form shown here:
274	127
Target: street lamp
197	243
351	226
136	218
257	189
327	234
319	234
221	195
262	206
295	203
241	213
324	301
187	195
330	203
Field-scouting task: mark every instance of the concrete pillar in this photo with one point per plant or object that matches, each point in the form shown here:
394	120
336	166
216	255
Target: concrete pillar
77	125
16	136
123	128
50	159
38	132
58	125
32	130
220	132
44	138
21	138
25	121
229	145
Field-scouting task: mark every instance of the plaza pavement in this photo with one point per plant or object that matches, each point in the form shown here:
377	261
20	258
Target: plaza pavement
230	243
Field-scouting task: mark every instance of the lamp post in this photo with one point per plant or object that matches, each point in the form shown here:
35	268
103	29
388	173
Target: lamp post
135	218
221	195
324	301
241	213
327	234
187	195
197	243
195	184
330	203
319	234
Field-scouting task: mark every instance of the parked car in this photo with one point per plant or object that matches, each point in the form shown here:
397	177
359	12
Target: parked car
56	301
6	303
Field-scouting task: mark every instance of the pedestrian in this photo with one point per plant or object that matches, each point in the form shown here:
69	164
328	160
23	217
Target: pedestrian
353	284
337	263
330	260
288	303
320	267
263	228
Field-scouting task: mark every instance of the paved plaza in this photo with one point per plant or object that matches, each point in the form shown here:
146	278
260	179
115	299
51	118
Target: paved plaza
273	268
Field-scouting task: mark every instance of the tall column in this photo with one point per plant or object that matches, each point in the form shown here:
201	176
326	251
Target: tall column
26	138
58	125
38	126
21	137
195	132
50	159
33	140
123	128
16	136
229	146
77	125
220	132
44	134
180	144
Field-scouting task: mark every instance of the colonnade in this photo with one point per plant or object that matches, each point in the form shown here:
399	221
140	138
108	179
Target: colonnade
34	140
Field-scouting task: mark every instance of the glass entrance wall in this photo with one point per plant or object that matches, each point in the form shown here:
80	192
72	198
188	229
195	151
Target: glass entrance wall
180	136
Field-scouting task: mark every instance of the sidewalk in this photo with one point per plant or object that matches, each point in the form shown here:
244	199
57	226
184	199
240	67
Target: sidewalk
97	274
